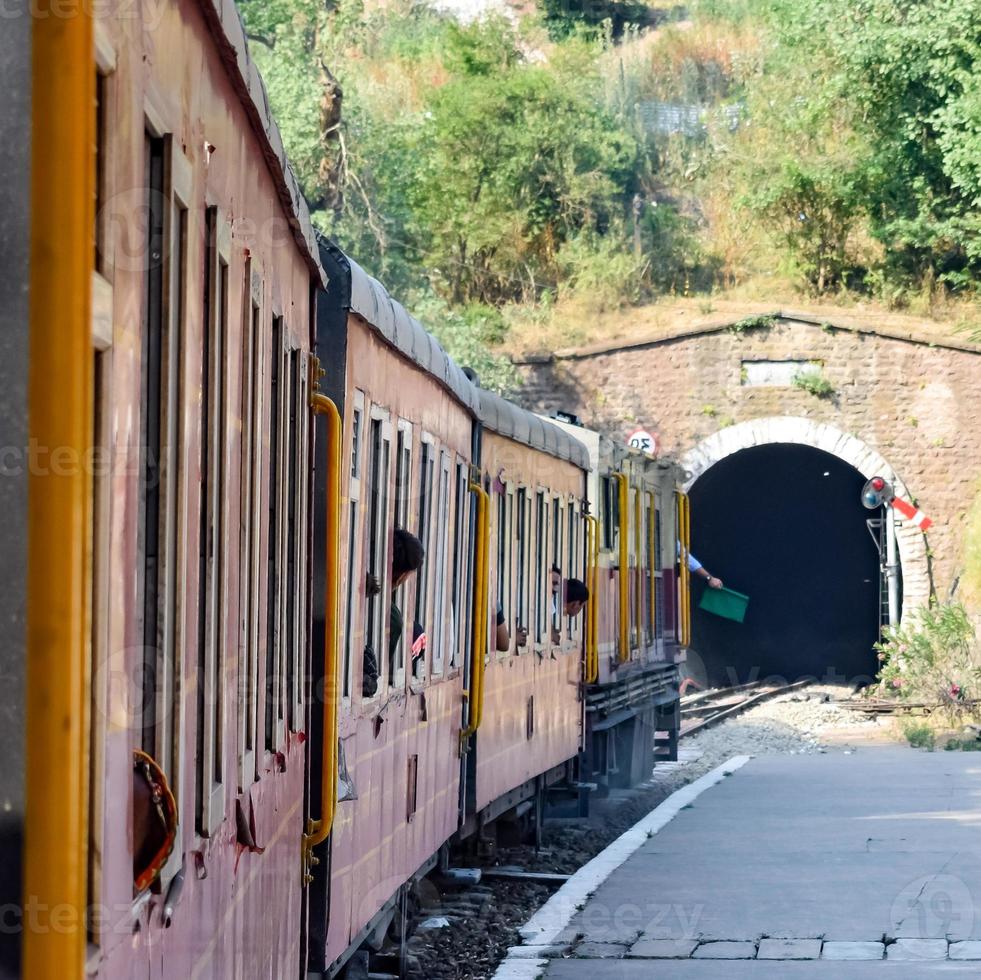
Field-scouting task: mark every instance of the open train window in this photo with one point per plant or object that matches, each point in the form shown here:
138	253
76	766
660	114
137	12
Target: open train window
556	582
521	535
427	468
505	539
541	568
251	463
439	633
294	544
278	504
354	573
572	561
659	577
213	529
403	473
403	494
459	630
164	307
377	559
610	512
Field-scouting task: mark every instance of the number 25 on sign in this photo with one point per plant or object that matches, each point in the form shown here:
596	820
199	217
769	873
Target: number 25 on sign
644	441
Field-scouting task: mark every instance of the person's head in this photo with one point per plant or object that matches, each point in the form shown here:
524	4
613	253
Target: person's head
407	556
556	575
576	596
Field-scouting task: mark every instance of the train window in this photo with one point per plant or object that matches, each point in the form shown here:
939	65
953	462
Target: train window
354	577
659	576
377	560
610	514
501	597
163	314
278	502
458	598
403	473
521	536
572	561
541	568
249	578
212	530
439	631
293	589
555	572
426	474
403	493
650	565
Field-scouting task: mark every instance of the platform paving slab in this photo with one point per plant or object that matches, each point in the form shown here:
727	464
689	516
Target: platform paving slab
968	949
599	951
725	951
848	848
789	949
838	950
755	970
917	949
663	949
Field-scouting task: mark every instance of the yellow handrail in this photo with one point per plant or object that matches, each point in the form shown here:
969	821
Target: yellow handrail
684	575
591	673
655	560
60	392
478	645
319	830
624	570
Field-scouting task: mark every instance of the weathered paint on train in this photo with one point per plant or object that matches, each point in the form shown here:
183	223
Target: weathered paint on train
522	738
180	67
377	844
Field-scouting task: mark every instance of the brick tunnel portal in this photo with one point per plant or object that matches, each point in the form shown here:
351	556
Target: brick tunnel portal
784	524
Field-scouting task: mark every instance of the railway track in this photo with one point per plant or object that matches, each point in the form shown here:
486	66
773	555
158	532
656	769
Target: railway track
699	711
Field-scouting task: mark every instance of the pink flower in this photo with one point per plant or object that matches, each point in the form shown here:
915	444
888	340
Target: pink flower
955	690
897	682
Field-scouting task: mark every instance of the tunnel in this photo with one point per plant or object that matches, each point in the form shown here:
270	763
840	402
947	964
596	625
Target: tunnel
784	524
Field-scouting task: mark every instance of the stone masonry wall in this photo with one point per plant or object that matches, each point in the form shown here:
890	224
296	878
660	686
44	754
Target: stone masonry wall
916	403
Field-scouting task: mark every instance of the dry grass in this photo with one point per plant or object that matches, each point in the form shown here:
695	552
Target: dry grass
575	323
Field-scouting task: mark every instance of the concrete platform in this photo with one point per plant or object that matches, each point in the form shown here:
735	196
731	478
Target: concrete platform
851	850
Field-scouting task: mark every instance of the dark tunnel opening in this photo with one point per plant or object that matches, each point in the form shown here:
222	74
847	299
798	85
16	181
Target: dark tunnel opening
785	525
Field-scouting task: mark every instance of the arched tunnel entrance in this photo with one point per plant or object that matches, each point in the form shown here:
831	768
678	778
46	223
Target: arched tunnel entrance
784	524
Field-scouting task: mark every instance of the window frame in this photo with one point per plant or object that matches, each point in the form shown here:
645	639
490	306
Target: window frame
250	516
380	507
212	678
354	519
297	540
463	566
435	654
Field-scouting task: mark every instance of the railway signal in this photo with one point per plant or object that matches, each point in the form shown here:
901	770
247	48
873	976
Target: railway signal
877	492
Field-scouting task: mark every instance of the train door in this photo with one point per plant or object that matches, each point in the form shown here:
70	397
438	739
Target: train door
324	680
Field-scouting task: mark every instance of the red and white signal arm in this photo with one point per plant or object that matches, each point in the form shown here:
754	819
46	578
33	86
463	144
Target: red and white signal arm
645	441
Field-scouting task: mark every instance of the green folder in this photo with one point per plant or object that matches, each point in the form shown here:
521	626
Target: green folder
726	603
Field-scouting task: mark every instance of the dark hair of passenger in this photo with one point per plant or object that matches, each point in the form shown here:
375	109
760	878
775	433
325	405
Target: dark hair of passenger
576	591
407	553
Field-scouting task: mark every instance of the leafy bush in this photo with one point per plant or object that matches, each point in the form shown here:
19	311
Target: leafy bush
467	335
814	383
932	657
919	736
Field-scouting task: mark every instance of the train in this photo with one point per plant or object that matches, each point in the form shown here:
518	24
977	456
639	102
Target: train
236	766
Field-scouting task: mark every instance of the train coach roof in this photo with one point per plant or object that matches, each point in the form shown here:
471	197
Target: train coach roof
358	292
506	419
225	21
368	298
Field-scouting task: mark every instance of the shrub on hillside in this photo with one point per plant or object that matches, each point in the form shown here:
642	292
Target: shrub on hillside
932	657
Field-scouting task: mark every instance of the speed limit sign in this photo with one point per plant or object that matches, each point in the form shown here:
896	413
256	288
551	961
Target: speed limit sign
644	441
